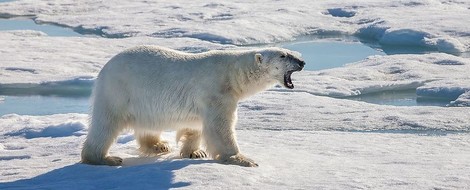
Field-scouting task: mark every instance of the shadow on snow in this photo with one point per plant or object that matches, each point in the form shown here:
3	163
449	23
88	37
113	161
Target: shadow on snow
148	175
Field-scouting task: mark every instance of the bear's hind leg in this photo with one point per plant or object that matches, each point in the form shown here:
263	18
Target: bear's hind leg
151	144
191	140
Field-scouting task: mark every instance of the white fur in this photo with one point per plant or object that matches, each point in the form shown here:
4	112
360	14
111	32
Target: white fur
151	89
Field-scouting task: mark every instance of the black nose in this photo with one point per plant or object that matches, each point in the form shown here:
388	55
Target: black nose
302	63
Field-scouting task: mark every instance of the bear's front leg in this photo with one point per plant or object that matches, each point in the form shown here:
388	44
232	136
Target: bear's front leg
219	133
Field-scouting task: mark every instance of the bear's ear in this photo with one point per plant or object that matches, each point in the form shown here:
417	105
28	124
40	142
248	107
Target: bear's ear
258	58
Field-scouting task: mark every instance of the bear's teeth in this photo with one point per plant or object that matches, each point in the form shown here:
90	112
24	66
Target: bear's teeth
288	80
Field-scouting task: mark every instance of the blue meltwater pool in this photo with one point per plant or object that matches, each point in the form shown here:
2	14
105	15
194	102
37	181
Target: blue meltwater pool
29	24
330	54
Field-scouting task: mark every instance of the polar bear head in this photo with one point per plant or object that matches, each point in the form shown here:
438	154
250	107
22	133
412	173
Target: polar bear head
280	63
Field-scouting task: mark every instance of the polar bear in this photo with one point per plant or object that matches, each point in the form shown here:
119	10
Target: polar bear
151	89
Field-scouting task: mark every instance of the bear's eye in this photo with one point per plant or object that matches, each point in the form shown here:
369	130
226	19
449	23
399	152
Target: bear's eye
283	56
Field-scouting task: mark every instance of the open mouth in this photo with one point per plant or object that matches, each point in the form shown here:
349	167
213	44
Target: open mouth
288	80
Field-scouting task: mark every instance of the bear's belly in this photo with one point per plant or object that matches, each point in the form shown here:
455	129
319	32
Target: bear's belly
166	122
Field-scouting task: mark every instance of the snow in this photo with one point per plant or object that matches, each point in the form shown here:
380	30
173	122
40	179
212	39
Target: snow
386	147
386	22
306	138
54	131
377	167
281	111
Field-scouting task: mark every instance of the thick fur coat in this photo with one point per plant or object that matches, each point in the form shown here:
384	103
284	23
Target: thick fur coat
151	89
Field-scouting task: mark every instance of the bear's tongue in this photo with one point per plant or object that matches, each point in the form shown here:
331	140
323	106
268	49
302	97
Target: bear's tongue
288	80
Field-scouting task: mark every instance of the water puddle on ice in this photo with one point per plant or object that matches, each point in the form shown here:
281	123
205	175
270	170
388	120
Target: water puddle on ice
46	105
419	132
399	98
323	54
29	24
42	105
330	54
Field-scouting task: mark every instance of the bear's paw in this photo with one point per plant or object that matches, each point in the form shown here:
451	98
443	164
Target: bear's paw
195	154
240	160
161	147
113	161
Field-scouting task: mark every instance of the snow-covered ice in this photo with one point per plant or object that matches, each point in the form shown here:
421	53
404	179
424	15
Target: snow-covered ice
306	138
462	100
300	141
437	24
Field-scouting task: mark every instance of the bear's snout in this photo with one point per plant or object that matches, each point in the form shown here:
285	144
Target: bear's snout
299	66
302	64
